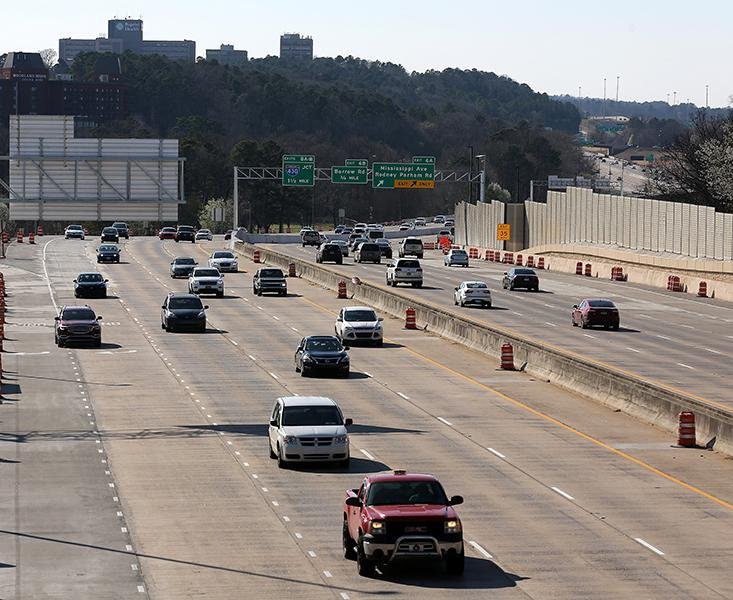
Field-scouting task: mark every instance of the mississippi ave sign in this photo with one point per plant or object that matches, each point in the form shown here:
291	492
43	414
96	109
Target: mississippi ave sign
387	175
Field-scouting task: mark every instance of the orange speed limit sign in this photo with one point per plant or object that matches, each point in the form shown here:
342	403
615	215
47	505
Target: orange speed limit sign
503	232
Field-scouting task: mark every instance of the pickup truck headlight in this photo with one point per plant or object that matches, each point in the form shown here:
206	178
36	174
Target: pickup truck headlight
378	528
452	526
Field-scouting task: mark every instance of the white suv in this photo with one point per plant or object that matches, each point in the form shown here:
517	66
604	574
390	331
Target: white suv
74	231
206	280
410	246
359	324
224	260
404	270
308	429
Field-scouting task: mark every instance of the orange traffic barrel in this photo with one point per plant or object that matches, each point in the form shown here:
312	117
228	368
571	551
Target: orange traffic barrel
686	429
410	322
578	268
508	258
702	290
507	357
588	268
19	237
291	269
39	233
541	262
530	261
342	290
256	256
519	260
31	238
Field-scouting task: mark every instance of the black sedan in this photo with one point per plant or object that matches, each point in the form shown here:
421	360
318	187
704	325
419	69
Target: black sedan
521	278
110	234
108	253
321	353
182	266
595	312
183	311
90	284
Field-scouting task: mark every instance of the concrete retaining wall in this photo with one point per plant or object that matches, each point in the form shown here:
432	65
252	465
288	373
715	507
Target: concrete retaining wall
650	402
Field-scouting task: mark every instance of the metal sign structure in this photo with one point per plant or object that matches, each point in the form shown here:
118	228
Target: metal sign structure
298	170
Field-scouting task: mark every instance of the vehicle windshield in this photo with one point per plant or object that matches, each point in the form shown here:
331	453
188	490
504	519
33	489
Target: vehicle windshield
408	264
184	261
339	242
169	229
185	228
122	225
74	227
458	252
185	302
109	230
108	248
295	416
324	344
89	277
223	254
601	304
524	272
277	273
360	315
78	314
476	285
383	242
204	231
206	273
369	247
406	492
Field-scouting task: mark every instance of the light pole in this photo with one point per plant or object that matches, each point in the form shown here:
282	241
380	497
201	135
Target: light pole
470	174
482	182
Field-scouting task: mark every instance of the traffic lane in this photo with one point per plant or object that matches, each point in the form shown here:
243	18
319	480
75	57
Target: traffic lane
243	416
668	363
56	506
152	437
279	302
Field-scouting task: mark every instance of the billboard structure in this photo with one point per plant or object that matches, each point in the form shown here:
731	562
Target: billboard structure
57	176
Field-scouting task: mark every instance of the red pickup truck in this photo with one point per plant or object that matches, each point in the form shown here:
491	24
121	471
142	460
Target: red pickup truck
401	516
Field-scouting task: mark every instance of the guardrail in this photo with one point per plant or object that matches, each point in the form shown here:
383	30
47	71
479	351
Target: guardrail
650	401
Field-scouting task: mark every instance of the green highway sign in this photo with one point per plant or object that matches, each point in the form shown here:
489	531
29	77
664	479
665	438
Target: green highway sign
356	162
384	175
349	174
299	170
424	160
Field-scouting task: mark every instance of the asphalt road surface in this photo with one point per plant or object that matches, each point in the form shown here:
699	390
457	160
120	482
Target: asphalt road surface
141	468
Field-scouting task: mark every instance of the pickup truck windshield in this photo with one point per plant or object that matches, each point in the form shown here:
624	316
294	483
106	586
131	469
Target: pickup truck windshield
273	273
295	416
406	492
206	273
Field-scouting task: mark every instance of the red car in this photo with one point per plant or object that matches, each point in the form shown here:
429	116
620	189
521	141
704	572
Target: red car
167	233
595	312
402	517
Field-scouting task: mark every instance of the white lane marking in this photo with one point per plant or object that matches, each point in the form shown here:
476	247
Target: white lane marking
234	343
686	366
648	545
275	503
295	330
133	567
648	317
123	529
111	484
550	324
327	573
402	395
286	518
477	547
128	548
298	535
311	554
260	308
119	513
255	476
141	589
237	452
496	452
514	312
664	337
252	357
273	375
344	596
589	335
48	280
549	305
367	454
442	420
35	354
276	318
713	351
563	494
633	350
686	326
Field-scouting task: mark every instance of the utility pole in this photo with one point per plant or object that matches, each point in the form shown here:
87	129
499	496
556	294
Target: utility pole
707	90
604	96
674	98
580	95
618	80
235	199
470	174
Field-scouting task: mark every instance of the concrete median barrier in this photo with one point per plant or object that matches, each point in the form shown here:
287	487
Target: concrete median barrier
650	401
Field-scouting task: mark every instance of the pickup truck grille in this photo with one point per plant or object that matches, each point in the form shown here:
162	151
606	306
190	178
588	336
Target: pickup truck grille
414	528
417	547
316	441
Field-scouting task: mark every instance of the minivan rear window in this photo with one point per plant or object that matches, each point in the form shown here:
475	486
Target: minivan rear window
409	264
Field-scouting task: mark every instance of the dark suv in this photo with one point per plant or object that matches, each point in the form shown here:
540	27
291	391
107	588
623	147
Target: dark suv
182	266
269	280
122	229
185	233
183	311
521	278
329	253
77	324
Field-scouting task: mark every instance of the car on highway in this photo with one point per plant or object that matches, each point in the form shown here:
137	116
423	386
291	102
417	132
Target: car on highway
228	234
74	231
595	312
385	247
339	229
406	226
343	246
521	277
269	280
109	253
456	257
354	242
90	284
110	234
308	429
204	234
77	324
185	233
224	260
329	252
375	226
410	246
439	219
321	353
362	226
311	238
304	229
183	311
472	292
449	223
375	234
420	222
122	229
167	233
368	252
404	270
182	266
359	324
206	280
347	231
400	516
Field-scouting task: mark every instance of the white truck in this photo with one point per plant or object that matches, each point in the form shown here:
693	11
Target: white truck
404	270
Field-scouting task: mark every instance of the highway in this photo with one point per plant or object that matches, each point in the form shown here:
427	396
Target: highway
141	469
677	340
634	180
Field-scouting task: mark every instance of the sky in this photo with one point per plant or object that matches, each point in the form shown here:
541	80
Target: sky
655	47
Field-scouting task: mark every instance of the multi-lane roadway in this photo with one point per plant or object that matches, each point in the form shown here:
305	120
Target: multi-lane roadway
141	468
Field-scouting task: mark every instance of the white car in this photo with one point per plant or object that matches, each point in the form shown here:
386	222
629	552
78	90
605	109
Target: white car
404	270
74	231
420	222
472	292
456	257
224	260
206	280
359	324
308	429
204	234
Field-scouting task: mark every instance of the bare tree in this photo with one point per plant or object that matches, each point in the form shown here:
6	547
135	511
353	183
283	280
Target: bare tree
49	57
